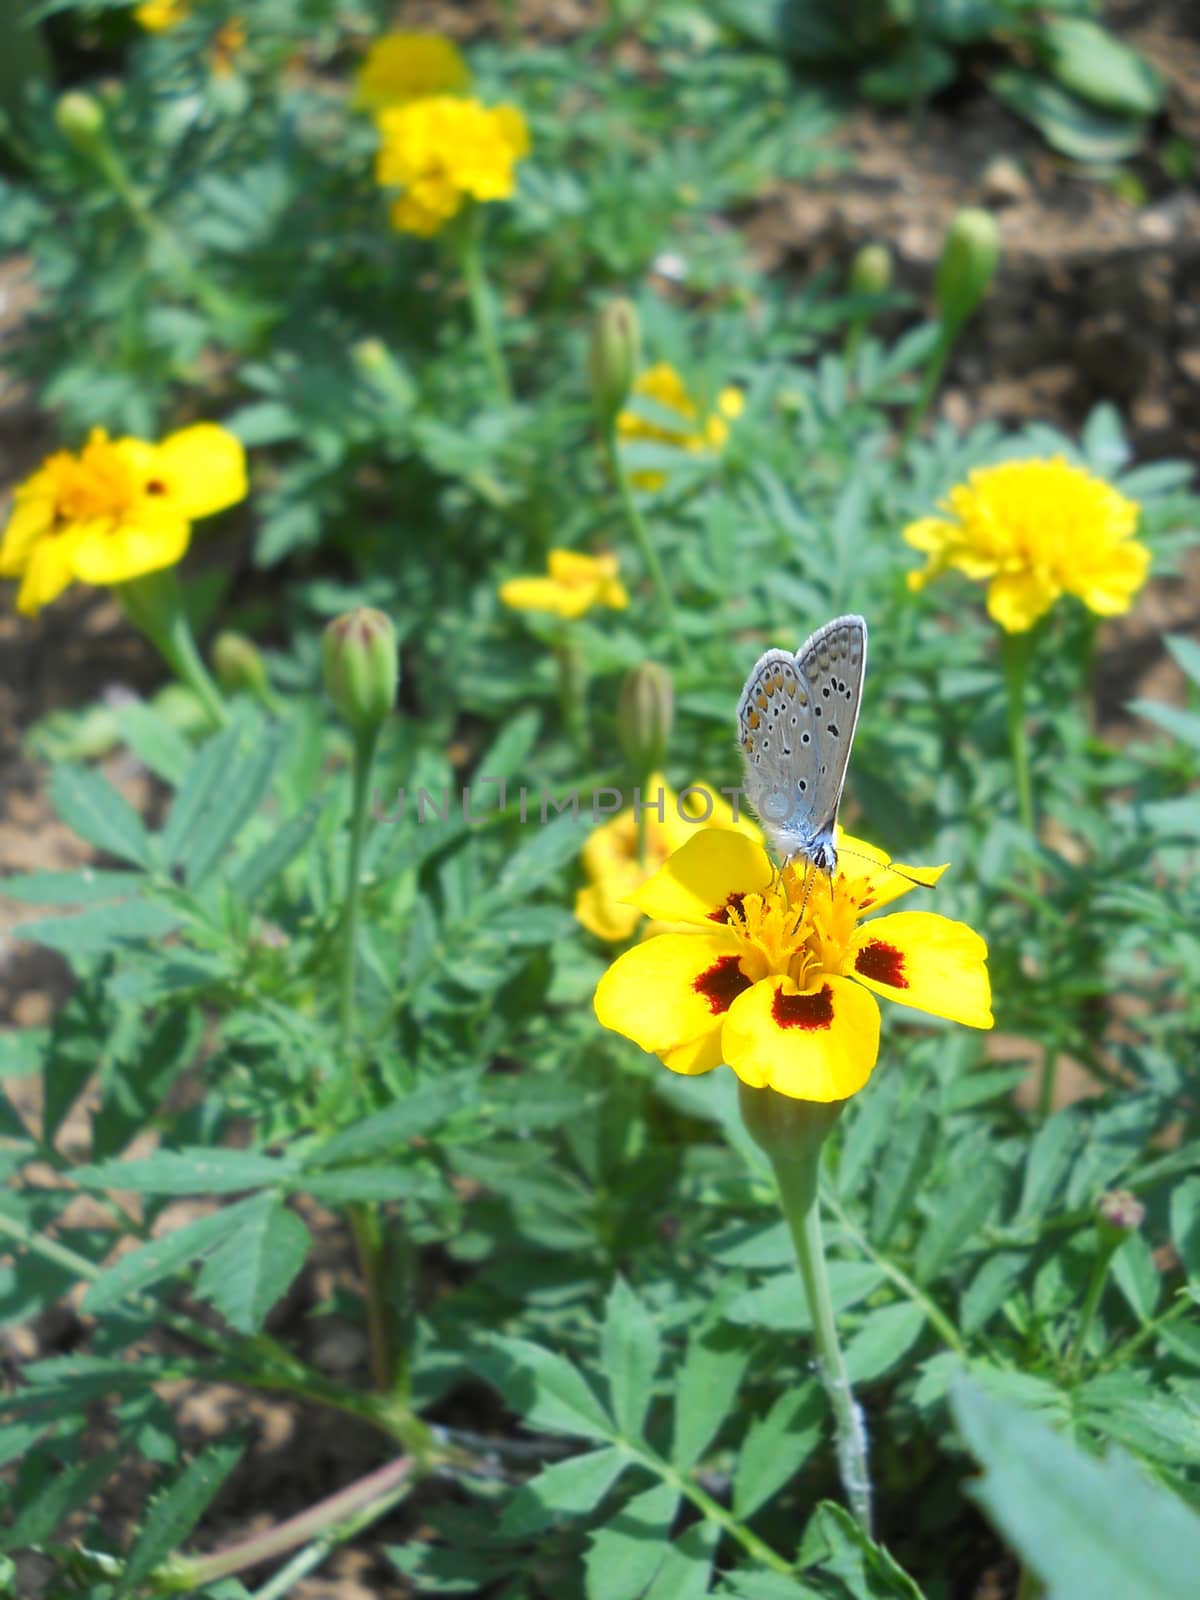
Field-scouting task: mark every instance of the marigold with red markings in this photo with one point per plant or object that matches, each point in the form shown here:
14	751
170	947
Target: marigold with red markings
779	979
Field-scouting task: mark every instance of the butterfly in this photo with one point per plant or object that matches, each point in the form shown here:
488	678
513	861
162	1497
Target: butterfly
796	722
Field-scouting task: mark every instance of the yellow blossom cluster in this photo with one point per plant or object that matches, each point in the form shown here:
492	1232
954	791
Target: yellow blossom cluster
694	433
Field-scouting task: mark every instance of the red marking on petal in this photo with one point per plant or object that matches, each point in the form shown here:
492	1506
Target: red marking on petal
882	963
807	1011
721	984
733	903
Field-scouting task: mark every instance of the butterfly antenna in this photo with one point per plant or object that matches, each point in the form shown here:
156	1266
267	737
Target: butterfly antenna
884	866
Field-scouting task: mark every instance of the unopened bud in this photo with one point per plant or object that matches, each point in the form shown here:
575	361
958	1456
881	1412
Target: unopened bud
80	120
871	270
1118	1214
613	358
238	666
359	656
645	712
970	253
378	367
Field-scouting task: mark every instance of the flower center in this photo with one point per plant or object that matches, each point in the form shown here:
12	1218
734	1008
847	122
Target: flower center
789	930
96	485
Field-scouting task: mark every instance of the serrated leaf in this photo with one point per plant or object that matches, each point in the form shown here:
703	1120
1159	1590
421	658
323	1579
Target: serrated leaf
246	1274
835	1544
1181	725
712	1370
907	1158
1185	1224
687	1566
242	789
101	928
780	1302
1054	1148
341	1186
1137	1277
87	886
70	1487
173	1514
199	1170
776	1447
1083	1526
417	1115
625	1555
997	1277
545	1389
885	1337
1065	122
160	1257
574	1487
96	812
156	743
629	1351
265	865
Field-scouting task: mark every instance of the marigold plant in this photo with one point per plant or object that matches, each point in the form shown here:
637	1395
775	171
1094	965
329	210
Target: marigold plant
1033	531
117	509
574	584
776	976
697	434
444	152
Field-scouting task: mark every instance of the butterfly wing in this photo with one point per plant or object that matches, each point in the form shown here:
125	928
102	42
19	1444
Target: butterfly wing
777	732
831	666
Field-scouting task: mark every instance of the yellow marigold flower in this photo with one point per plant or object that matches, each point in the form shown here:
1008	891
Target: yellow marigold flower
116	510
576	583
228	43
780	987
410	66
160	16
694	434
610	855
444	152
1035	530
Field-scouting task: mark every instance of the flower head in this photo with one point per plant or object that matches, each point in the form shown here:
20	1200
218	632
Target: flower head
160	16
443	152
1035	530
779	983
410	66
116	510
575	584
695	434
614	865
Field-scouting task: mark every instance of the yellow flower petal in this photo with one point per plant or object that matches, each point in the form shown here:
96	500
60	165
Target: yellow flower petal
48	571
820	1043
1109	592
925	961
714	867
407	66
603	907
873	878
203	469
701	1055
130	549
1017	600
673	991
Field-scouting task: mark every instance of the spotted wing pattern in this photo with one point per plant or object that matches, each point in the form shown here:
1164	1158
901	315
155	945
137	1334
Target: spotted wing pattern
796	722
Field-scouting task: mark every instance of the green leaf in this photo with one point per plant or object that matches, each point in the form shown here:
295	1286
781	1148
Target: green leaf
906	1162
835	1544
247	1273
241	790
1064	122
1181	725
1087	60
1137	1277
265	865
98	929
884	1338
197	1170
97	813
154	741
160	1257
628	1551
1186	652
960	1209
574	1487
173	1514
1185	1225
69	1487
544	1388
687	1566
1085	1527
347	1184
84	887
991	1286
629	1350
1054	1148
417	1115
780	1302
776	1446
712	1370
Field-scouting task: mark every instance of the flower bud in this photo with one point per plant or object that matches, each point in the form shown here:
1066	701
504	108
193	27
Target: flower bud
613	358
238	666
970	253
871	270
1118	1214
645	712
80	120
358	653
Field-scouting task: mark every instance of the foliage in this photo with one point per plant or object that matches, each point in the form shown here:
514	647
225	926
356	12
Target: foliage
589	1343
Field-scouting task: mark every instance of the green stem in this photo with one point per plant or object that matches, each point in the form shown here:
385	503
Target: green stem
154	604
641	534
1091	1300
483	314
934	369
792	1132
712	1509
572	692
1016	654
336	1517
